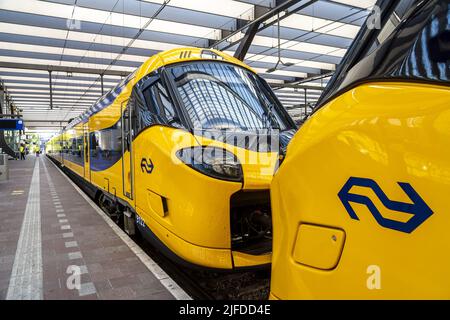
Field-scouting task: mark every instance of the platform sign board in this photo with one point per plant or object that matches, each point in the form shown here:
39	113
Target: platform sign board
11	124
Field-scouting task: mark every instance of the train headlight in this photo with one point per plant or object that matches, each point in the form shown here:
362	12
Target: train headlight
212	161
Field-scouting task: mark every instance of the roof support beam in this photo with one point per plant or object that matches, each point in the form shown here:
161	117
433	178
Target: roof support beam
14	65
281	8
246	41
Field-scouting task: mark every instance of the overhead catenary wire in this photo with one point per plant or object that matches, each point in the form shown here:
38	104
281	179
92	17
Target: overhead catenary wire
312	37
130	43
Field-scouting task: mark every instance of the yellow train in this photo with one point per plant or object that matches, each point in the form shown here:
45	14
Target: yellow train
156	151
361	204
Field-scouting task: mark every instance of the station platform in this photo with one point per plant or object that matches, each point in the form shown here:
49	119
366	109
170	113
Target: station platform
55	243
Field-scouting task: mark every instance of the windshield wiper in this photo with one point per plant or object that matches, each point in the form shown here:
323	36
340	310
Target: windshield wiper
268	113
269	120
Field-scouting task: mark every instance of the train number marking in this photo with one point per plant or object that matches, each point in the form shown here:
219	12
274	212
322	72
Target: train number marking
419	210
140	221
147	165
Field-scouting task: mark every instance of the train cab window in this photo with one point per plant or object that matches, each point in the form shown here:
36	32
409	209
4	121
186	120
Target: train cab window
219	95
152	104
73	146
411	46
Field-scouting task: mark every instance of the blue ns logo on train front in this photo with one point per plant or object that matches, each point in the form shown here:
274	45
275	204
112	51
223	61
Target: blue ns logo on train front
419	210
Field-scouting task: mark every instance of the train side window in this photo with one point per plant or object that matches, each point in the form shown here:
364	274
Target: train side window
145	114
73	146
66	146
80	149
94	144
164	100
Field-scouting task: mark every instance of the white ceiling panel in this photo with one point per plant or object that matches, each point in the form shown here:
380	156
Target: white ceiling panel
57	33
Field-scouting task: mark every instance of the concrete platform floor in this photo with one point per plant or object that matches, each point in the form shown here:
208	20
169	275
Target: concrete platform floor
55	244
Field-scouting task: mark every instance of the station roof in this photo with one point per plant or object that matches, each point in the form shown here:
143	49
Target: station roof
115	36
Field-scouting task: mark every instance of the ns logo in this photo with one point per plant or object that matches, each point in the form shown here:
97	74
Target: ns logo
147	165
418	209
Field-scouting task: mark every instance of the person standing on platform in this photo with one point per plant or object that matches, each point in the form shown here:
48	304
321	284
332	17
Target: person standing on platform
22	152
37	150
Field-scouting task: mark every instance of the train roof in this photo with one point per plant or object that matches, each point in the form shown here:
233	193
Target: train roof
153	63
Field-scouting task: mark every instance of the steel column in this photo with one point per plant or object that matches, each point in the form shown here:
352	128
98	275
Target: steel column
101	81
51	89
246	41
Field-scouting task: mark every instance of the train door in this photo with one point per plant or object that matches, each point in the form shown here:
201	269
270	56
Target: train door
87	163
127	151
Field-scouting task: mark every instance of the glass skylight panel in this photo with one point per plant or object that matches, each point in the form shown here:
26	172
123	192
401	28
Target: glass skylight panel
65	63
283	73
38	7
62	94
66	104
274	81
57	50
120	41
105	17
308	23
300	93
229	8
363	4
71	99
296	62
31	48
184	29
299	46
22	71
132	21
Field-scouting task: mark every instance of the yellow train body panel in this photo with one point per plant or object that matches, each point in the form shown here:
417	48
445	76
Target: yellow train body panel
388	132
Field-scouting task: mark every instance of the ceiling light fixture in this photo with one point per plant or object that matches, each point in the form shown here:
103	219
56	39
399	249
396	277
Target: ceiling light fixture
287	64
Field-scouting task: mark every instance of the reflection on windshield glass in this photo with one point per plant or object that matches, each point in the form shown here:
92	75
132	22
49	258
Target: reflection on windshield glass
224	96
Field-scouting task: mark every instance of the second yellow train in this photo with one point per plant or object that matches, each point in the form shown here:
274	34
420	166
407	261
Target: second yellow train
361	204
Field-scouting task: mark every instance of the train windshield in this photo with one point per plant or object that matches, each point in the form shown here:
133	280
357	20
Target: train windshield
219	95
410	42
